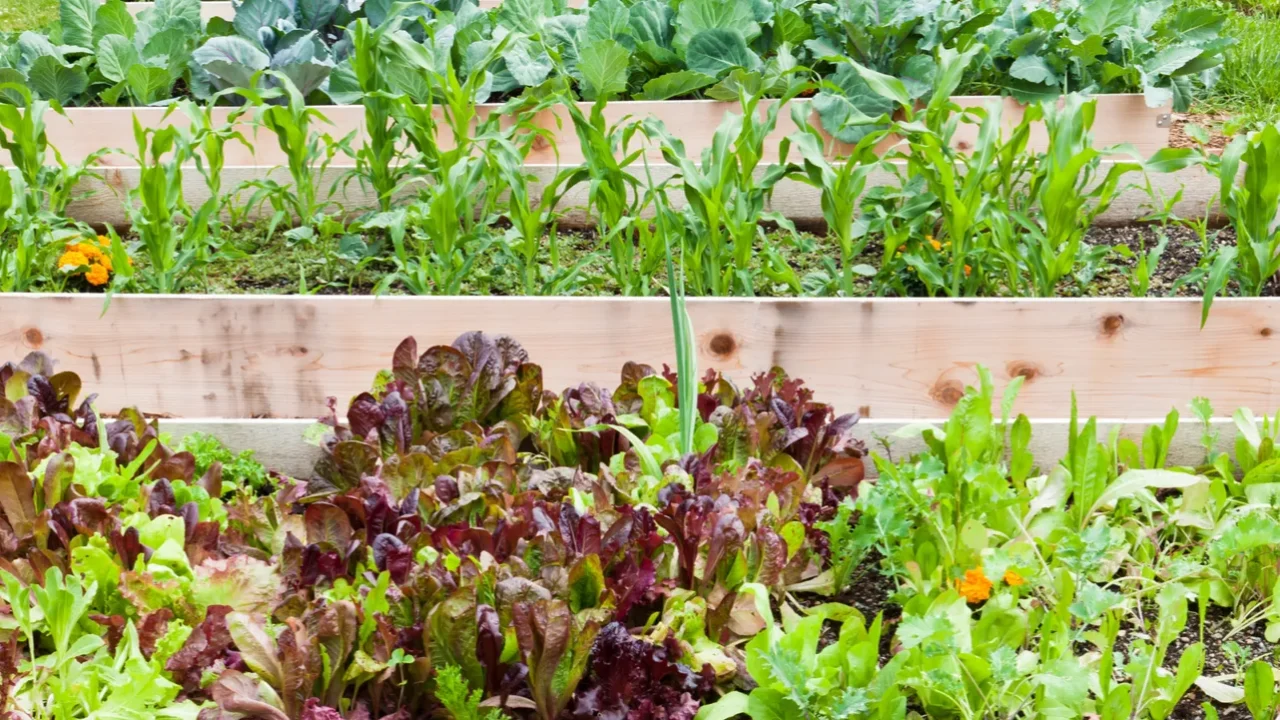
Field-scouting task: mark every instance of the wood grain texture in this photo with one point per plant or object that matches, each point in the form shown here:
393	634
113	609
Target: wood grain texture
84	131
219	8
257	356
279	444
102	198
208	10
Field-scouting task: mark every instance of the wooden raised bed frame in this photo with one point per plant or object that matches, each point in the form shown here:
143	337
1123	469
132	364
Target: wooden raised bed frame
83	131
280	356
221	364
1120	119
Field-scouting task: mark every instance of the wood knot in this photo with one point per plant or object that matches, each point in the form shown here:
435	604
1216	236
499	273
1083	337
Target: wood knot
947	392
298	350
1020	368
1265	332
964	145
1111	324
33	337
723	345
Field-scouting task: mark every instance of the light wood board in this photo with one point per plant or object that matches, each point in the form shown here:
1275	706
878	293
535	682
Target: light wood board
84	131
260	356
221	9
279	444
208	10
101	200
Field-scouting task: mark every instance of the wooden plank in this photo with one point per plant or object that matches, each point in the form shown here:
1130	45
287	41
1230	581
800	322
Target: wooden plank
278	444
218	8
1121	119
259	356
208	10
84	131
101	202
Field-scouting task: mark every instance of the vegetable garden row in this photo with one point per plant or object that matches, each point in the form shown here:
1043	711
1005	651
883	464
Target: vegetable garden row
803	129
919	481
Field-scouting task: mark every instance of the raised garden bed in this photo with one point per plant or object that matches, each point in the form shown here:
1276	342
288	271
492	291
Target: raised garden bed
901	360
243	568
635	508
82	132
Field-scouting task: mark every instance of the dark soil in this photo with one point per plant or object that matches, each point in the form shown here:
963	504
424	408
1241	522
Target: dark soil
1218	662
277	270
1222	661
870	593
256	265
1179	138
1181	256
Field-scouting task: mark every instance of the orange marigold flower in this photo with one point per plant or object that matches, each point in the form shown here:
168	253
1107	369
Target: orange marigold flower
104	241
975	587
936	245
90	251
967	270
97	275
71	260
1013	579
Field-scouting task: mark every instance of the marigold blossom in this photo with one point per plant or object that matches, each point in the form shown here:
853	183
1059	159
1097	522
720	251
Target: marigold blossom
71	260
97	275
975	587
1013	579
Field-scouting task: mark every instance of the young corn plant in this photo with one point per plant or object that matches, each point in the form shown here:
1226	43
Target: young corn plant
380	159
308	154
174	237
726	200
34	195
841	184
211	156
24	136
614	197
1065	199
969	192
533	216
1251	206
455	170
1071	185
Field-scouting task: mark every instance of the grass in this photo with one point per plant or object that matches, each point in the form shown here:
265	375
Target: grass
19	15
1248	88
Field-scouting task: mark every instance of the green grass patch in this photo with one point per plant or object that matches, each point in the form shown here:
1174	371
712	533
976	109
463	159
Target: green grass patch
19	15
1249	86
